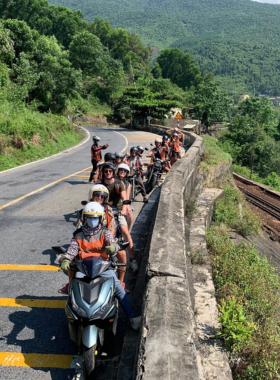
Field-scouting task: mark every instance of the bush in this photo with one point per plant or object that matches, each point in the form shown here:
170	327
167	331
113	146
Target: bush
233	211
248	287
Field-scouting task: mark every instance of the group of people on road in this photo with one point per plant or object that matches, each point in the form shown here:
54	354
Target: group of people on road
110	198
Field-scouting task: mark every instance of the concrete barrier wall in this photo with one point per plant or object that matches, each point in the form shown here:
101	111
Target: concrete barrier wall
168	348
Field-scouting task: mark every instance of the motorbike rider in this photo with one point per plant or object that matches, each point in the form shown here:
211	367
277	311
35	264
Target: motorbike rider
122	173
118	199
96	155
140	150
93	239
165	142
119	158
175	148
109	157
99	193
158	151
135	161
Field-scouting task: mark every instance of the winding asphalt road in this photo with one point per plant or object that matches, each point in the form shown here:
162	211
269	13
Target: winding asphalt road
38	205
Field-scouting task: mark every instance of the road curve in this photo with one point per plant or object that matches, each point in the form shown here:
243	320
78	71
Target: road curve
37	209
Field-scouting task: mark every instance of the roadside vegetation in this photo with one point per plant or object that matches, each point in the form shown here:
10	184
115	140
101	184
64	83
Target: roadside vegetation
248	292
26	135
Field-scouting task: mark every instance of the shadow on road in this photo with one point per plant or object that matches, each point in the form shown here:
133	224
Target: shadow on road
41	331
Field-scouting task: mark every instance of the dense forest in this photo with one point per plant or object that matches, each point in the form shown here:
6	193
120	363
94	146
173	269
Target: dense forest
160	22
242	35
240	67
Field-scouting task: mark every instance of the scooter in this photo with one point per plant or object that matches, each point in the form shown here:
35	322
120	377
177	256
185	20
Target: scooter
155	173
91	308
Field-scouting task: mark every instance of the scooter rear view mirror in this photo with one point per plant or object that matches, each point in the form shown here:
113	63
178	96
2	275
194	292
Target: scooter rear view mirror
84	203
59	249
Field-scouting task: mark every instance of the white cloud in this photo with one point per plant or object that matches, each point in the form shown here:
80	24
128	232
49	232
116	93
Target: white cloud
268	1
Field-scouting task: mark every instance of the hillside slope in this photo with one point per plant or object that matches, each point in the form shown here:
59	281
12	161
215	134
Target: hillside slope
162	22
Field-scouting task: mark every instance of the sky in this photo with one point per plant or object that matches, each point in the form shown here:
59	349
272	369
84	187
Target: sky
268	1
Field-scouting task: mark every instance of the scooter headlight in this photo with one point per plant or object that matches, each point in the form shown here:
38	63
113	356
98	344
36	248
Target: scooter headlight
98	312
77	308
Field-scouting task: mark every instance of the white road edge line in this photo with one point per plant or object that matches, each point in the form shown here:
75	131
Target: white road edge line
50	184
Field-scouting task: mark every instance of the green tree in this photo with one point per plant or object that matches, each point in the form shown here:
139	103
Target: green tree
7	52
86	53
209	103
180	68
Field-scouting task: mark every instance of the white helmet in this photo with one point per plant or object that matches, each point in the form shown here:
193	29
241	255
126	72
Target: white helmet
93	209
95	138
123	166
158	140
101	189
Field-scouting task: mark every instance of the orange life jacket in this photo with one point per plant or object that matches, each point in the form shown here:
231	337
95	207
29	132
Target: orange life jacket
161	150
91	245
96	153
175	146
109	215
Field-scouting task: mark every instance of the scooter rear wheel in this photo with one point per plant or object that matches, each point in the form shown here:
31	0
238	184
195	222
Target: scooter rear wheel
89	362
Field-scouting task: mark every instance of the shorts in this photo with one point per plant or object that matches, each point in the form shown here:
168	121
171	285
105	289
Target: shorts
122	220
175	154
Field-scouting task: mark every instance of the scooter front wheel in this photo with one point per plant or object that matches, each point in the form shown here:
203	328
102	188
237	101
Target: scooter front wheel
89	359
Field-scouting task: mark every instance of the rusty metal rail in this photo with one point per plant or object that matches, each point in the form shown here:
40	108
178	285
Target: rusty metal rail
261	203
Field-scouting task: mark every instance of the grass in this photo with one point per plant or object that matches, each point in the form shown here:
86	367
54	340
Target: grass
27	135
247	286
248	291
213	154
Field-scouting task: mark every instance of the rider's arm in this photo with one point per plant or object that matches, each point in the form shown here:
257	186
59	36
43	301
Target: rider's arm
109	240
124	209
72	250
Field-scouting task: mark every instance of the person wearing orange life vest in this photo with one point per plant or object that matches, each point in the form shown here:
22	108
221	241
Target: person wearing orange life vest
96	155
122	173
159	151
99	193
118	199
109	157
93	239
175	148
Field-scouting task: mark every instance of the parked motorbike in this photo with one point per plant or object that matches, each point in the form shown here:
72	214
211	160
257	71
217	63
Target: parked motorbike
91	308
135	188
155	173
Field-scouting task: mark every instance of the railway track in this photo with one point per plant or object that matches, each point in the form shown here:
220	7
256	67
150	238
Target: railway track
267	201
261	203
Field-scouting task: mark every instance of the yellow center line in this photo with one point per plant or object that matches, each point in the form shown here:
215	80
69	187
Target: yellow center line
38	190
28	267
14	302
79	175
54	182
15	359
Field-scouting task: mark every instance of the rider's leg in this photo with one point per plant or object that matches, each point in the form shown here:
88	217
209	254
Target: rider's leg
121	256
129	218
141	184
126	235
93	172
120	293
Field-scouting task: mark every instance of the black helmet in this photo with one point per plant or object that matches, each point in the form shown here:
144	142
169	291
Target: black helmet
165	137
133	149
109	157
119	155
108	165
